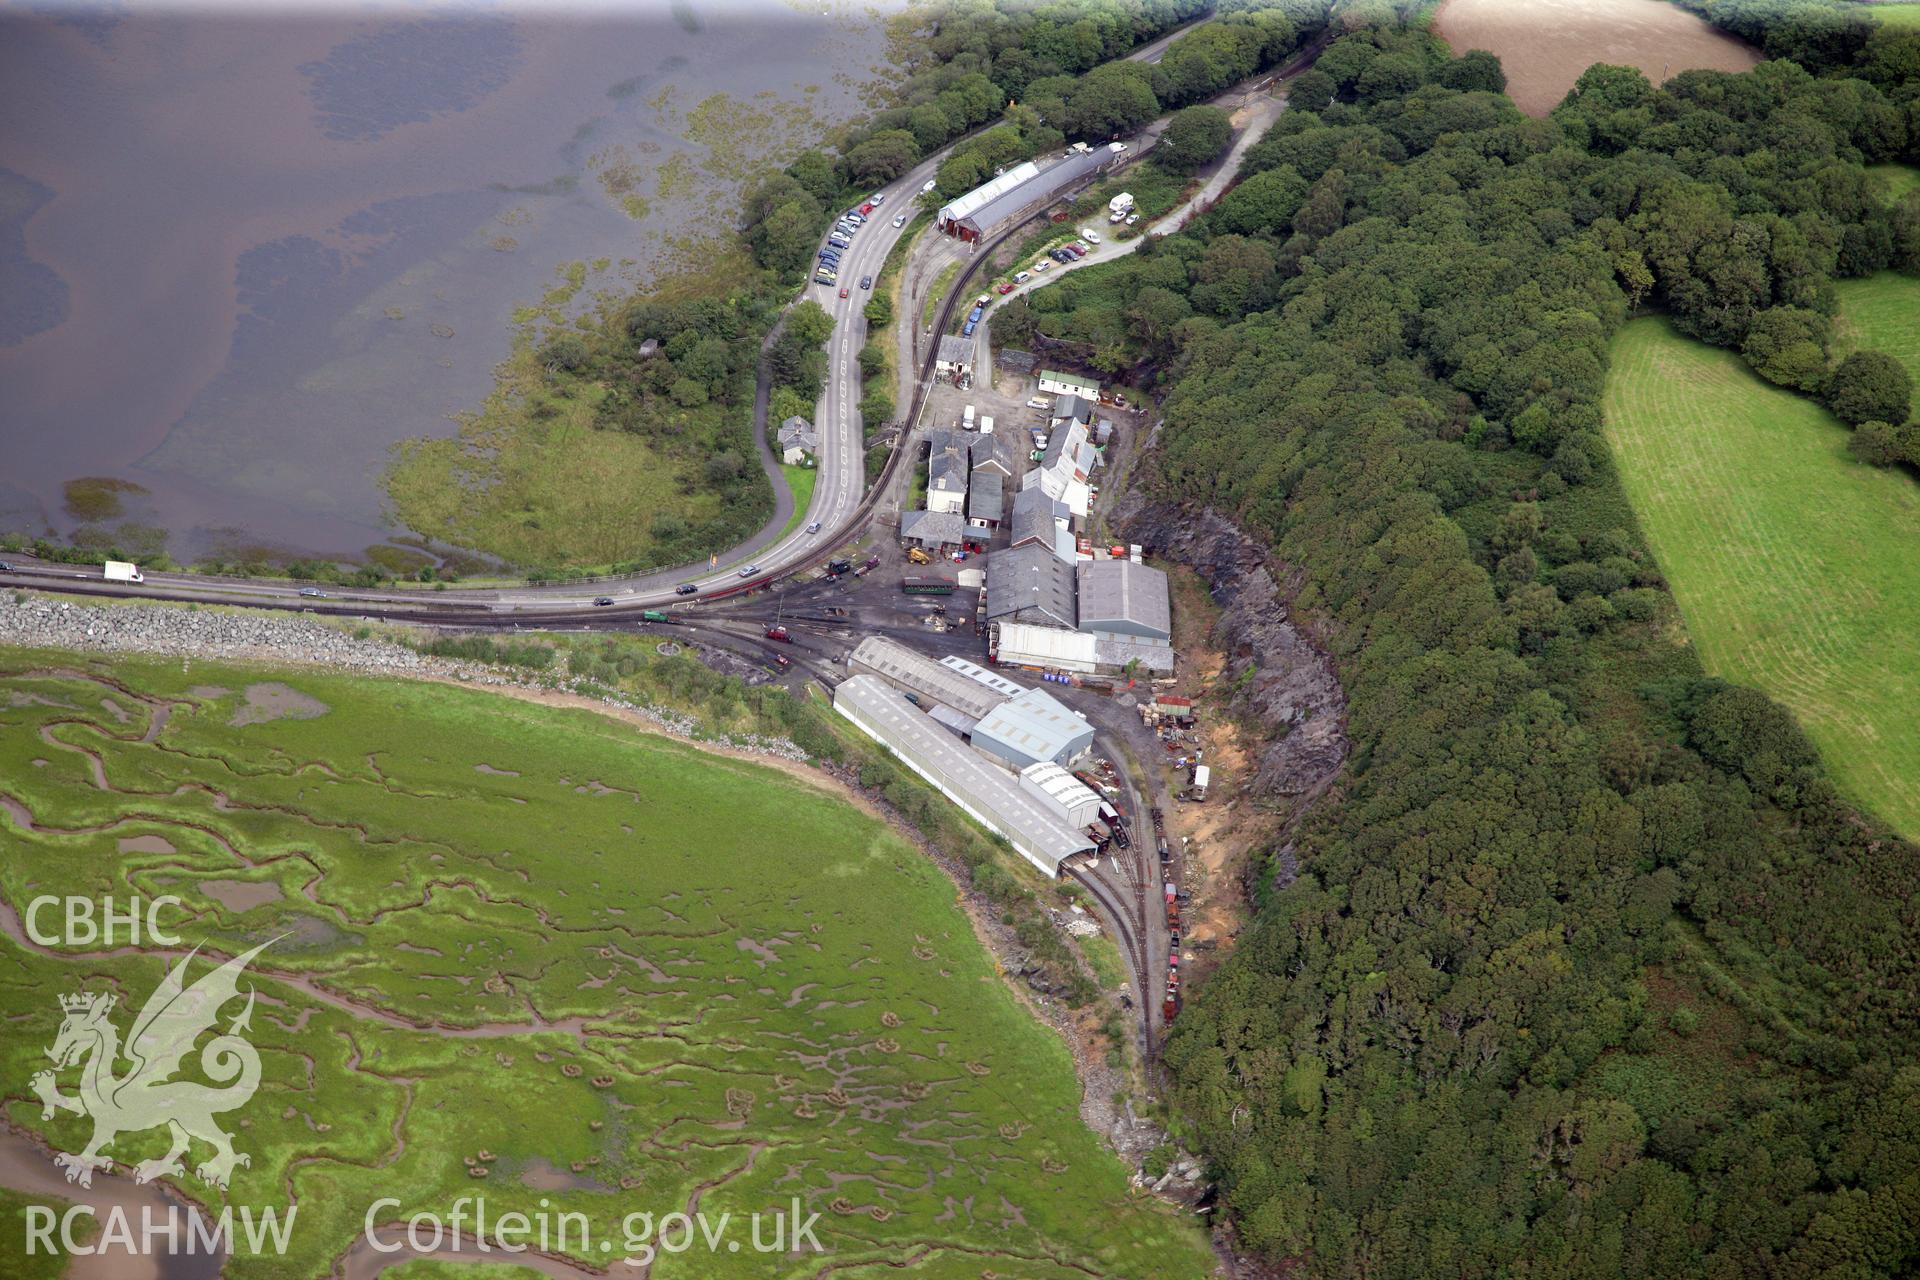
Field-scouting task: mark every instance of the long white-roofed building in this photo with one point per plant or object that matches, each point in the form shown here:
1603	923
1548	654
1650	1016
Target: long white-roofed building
984	791
1022	191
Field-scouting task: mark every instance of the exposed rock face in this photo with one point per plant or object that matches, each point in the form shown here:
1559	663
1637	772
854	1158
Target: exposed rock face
1293	690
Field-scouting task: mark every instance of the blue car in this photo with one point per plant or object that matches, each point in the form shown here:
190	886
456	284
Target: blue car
967	331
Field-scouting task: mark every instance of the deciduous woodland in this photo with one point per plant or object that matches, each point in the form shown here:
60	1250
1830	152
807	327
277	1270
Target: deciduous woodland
1587	970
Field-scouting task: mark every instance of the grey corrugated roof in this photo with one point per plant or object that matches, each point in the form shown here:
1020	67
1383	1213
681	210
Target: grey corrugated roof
1026	578
988	191
1120	590
932	682
1034	724
1044	187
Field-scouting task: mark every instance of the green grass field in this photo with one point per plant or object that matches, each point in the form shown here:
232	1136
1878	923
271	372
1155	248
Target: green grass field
1896	179
800	480
1883	312
610	972
1797	568
1896	15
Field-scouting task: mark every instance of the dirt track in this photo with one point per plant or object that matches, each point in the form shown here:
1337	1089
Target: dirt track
1545	44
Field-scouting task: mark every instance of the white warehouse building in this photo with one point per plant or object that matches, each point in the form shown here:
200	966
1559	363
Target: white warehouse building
984	791
1071	800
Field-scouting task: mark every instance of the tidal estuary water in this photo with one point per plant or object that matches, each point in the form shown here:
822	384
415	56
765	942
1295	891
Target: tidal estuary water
241	256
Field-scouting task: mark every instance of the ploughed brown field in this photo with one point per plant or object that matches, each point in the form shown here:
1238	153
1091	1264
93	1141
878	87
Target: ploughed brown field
1546	44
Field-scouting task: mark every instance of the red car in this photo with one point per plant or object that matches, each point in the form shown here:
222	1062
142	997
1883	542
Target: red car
867	207
779	633
1006	286
843	291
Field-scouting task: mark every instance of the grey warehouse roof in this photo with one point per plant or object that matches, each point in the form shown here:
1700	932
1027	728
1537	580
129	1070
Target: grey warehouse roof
1122	591
988	191
985	791
902	667
1034	724
1038	188
955	349
1030	577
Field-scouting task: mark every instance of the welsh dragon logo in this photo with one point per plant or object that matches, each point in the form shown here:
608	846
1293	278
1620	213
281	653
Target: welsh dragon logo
146	1096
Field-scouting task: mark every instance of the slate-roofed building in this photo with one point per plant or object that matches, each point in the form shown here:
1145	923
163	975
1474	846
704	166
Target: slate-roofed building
986	499
949	460
954	359
797	440
933	530
1030	584
1042	520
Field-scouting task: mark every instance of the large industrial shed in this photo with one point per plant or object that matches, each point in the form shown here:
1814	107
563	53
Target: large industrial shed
931	682
1020	192
1070	799
1122	600
1030	584
1030	728
1019	644
990	795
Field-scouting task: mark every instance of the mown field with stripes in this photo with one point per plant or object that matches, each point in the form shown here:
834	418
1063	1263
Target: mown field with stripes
1882	312
1796	567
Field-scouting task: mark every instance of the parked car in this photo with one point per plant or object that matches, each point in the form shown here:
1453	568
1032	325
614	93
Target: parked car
1006	286
1132	218
1041	264
927	186
813	526
686	589
313	593
877	198
603	601
781	660
966	330
856	217
1079	247
900	220
7	568
867	207
749	571
1021	277
866	282
838	241
1090	235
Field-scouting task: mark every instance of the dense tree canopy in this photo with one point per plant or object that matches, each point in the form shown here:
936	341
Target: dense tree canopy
1194	136
1584	969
